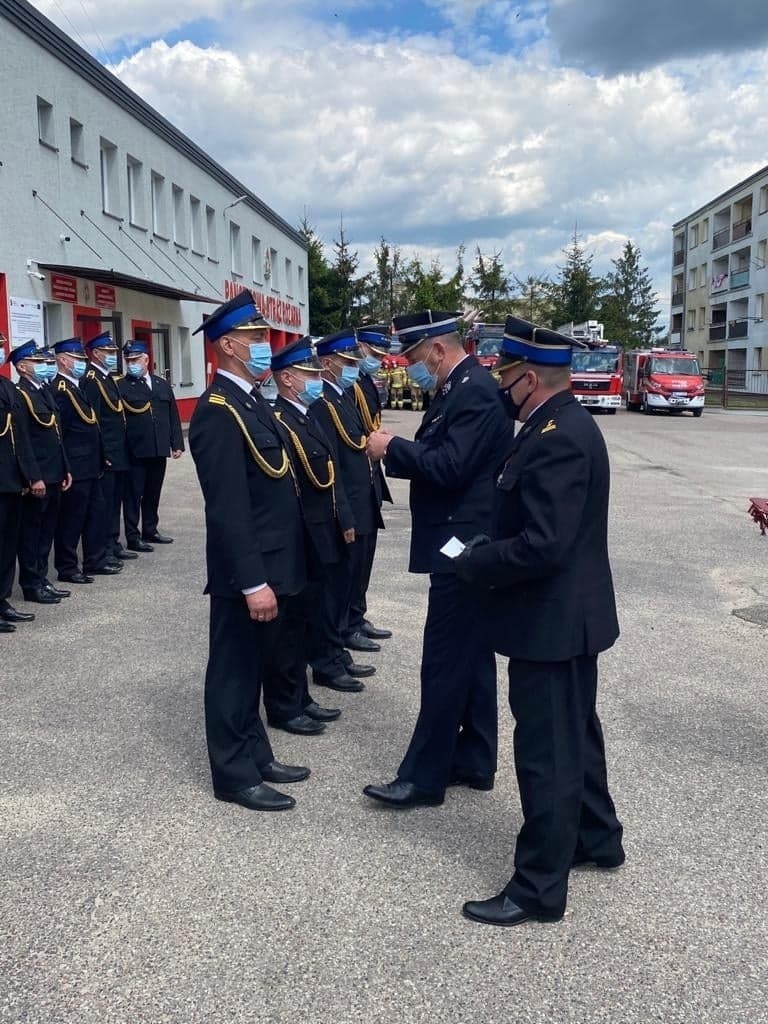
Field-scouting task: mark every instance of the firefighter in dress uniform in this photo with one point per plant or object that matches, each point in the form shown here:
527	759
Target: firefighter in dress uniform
254	553
19	473
154	435
451	465
82	512
544	579
36	368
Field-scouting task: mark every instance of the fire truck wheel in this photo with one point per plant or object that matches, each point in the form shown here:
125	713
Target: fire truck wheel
697	412
631	406
646	408
611	412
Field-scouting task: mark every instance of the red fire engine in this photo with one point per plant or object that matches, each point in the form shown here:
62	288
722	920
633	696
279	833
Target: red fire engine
595	371
663	379
484	341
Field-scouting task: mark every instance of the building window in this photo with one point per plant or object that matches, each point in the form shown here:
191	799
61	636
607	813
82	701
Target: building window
185	351
196	224
760	307
702	317
110	189
275	276
762	253
692	278
691	320
76	142
763	198
210	233
693	238
159	214
257	271
135	178
288	278
301	285
234	248
705	229
703	275
45	127
180	235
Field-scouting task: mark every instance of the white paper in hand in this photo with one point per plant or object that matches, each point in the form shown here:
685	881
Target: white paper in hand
453	547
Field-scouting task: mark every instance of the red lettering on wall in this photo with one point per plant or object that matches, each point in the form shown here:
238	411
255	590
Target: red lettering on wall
63	288
277	311
104	296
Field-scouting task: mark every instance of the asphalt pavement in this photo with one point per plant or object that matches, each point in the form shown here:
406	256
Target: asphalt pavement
128	895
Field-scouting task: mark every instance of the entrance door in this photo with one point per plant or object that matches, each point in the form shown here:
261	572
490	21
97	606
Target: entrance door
89	323
162	349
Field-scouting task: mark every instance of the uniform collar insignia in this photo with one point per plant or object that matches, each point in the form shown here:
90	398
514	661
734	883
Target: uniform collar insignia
446	387
551	425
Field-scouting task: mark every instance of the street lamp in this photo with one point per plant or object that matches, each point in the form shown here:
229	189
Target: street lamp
230	205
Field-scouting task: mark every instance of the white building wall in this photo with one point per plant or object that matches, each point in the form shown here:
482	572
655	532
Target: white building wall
46	193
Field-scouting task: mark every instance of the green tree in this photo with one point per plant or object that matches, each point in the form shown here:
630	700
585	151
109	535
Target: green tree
628	302
346	290
428	288
490	287
535	300
323	313
576	292
385	283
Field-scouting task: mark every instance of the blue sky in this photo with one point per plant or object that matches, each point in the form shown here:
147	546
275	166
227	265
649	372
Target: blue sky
444	122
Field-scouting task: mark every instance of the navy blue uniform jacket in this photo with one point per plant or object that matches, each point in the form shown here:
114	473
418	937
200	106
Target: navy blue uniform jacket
18	466
254	529
104	396
81	437
354	465
152	418
38	406
451	464
552	596
367	399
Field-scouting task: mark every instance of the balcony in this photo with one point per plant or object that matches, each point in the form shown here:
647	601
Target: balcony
679	258
742	228
717	332
677	298
740	278
738	329
719	282
721	238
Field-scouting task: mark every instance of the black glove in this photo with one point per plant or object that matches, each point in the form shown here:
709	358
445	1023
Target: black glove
462	564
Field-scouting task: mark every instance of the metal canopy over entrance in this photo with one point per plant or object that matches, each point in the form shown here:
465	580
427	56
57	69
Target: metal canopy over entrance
136	284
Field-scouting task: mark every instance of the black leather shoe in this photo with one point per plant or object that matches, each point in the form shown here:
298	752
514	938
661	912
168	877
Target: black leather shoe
358	642
373	633
56	591
139	545
302	725
360	671
75	577
343	683
484	782
500	910
106	570
157	538
258	798
321	714
607	863
9	614
7	627
403	794
125	555
283	773
41	596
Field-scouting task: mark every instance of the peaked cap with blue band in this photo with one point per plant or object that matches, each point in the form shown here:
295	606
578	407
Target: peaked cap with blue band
375	336
240	313
27	350
101	341
134	347
525	342
299	354
69	346
340	343
413	328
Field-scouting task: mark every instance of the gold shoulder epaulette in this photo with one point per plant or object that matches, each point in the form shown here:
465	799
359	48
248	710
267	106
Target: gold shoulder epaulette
90	375
62	385
550	426
276	472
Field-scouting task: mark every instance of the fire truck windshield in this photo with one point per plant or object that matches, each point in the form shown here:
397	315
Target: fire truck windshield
595	362
678	366
489	347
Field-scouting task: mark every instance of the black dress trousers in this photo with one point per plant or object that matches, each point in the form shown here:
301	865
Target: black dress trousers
326	613
358	604
95	529
456	730
285	670
38	525
113	486
142	498
73	515
10	520
560	765
238	745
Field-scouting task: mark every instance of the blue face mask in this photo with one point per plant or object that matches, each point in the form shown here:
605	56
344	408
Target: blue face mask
2	355
313	389
79	366
370	365
349	376
110	362
419	375
259	357
134	369
40	370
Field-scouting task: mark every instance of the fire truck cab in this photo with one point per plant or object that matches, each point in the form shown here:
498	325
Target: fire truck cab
663	379
596	371
484	342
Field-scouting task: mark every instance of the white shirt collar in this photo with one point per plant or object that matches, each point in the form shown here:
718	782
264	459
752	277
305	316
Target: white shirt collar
240	381
335	387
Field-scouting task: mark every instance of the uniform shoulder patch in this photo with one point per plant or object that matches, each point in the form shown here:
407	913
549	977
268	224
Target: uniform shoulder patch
550	426
62	386
90	375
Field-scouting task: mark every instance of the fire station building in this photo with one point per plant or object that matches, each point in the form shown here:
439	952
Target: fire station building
112	219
